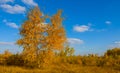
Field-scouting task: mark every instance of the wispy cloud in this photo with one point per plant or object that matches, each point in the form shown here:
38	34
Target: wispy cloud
75	41
114	44
101	30
16	9
30	2
117	43
6	1
10	24
81	28
108	22
7	43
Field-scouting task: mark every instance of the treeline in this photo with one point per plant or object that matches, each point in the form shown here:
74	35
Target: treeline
111	58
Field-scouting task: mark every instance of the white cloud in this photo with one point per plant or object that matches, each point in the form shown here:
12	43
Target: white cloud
117	42
114	44
108	22
16	9
75	41
30	2
81	28
10	24
7	43
6	1
13	25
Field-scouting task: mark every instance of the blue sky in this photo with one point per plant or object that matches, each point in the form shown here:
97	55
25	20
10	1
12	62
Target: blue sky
92	26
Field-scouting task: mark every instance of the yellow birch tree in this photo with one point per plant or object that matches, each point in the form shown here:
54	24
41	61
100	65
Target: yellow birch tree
37	37
32	34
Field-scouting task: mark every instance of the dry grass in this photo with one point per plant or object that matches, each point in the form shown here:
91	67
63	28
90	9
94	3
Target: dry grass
59	69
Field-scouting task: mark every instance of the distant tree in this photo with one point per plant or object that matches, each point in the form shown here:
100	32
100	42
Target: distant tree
115	52
7	54
67	51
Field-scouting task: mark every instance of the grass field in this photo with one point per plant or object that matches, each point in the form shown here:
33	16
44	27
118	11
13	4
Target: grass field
59	69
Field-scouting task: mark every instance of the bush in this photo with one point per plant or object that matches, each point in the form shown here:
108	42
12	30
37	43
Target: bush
16	60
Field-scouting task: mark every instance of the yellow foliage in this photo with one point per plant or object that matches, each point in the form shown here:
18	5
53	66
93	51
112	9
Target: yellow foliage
37	37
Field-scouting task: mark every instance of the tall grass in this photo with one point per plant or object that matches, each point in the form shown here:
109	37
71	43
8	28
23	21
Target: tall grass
59	69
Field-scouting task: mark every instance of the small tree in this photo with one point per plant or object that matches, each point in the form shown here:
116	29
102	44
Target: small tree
67	51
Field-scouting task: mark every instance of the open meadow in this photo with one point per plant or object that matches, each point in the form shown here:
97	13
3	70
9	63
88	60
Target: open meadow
59	69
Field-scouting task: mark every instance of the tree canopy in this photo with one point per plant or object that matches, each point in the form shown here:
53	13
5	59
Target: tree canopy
37	36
